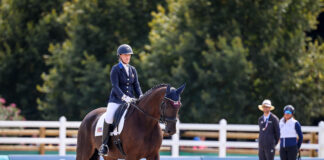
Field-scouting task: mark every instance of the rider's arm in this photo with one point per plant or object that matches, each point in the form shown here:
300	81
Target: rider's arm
115	82
300	134
137	86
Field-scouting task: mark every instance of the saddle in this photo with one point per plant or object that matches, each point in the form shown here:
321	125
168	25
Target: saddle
117	125
119	114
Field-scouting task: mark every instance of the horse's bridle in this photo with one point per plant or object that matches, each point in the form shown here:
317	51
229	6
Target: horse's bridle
163	118
175	105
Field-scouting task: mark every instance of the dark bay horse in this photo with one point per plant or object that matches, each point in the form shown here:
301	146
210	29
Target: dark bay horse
141	136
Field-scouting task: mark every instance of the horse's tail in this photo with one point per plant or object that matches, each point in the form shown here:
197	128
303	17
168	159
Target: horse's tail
85	141
81	143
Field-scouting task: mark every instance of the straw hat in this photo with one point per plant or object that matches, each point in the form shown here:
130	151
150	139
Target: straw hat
266	103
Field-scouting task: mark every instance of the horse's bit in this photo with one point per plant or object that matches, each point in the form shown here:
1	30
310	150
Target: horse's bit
163	118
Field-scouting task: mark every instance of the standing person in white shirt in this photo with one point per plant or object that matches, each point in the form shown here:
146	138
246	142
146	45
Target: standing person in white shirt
289	130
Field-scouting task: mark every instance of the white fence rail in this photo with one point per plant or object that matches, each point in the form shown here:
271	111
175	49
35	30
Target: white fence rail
175	142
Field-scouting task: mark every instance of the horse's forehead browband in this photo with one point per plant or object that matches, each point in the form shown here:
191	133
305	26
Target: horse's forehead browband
175	104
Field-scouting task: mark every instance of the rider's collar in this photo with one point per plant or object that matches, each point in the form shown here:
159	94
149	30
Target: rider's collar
121	65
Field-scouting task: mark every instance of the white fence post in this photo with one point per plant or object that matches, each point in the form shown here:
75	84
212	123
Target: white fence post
222	138
175	141
62	136
321	140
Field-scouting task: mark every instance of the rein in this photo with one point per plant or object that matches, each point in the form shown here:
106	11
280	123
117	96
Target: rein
162	119
139	109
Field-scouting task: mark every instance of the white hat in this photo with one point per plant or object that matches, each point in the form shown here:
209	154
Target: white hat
266	103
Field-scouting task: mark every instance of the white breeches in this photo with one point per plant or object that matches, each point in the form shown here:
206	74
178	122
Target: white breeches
111	109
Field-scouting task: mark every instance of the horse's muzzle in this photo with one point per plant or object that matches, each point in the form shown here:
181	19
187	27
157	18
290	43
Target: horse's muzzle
170	133
170	129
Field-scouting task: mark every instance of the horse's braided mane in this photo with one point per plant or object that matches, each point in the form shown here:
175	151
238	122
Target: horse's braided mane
152	89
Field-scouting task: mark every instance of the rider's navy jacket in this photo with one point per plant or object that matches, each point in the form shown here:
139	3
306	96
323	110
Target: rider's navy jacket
123	83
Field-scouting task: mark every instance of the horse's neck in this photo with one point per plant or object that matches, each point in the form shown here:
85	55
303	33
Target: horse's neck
151	104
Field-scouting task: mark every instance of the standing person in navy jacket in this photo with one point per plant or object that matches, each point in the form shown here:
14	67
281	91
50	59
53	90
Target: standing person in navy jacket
269	131
289	129
125	86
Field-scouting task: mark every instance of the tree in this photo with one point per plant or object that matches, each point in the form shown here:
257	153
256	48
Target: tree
232	54
26	29
309	86
78	80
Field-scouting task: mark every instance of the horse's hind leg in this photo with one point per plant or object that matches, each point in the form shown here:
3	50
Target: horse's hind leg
87	153
95	155
154	157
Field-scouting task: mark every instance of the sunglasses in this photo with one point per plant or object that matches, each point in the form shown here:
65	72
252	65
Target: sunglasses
287	112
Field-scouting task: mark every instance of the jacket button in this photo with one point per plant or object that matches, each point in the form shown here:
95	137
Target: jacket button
128	79
126	91
127	83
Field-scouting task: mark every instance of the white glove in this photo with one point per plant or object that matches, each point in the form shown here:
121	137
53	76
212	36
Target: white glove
128	99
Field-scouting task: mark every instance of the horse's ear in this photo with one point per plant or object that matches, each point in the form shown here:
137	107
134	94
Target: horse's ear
180	89
168	89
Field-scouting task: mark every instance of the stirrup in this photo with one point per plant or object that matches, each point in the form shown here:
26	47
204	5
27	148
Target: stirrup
103	151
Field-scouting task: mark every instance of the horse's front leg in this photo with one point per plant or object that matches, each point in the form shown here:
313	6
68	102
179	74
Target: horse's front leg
132	158
156	156
109	158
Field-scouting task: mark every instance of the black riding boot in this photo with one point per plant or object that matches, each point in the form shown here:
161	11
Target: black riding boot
103	151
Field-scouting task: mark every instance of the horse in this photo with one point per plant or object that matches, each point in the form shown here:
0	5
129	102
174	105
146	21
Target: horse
141	136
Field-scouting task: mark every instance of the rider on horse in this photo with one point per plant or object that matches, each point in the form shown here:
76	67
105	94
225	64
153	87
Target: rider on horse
124	83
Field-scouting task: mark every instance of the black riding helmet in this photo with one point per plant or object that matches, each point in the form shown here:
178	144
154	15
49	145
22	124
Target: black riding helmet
124	49
289	108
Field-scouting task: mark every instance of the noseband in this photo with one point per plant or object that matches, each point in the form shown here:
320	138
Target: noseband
163	106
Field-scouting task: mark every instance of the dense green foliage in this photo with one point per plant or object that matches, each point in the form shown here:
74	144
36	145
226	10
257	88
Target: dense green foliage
78	80
26	30
234	54
231	54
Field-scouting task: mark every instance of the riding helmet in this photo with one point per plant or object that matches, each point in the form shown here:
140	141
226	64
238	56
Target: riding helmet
124	49
289	108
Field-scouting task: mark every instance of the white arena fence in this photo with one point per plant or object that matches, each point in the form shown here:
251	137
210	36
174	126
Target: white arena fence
175	142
